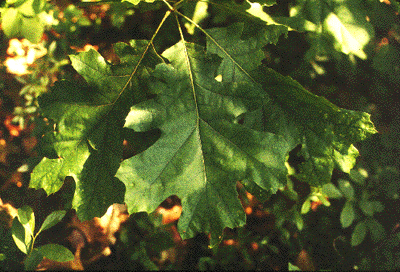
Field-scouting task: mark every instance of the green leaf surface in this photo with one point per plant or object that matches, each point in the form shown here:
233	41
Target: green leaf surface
376	229
33	260
346	188
292	267
18	235
331	191
27	219
88	136
347	215
287	108
359	233
358	175
23	20
222	117
56	252
342	24
202	163
30	8
52	219
370	207
305	208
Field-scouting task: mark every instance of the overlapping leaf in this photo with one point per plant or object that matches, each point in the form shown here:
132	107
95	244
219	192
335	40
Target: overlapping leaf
89	122
21	18
325	131
338	25
256	21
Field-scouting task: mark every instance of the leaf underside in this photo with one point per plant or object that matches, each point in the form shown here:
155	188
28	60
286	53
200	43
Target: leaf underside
223	118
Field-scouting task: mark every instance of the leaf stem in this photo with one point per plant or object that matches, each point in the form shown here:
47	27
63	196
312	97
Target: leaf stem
166	15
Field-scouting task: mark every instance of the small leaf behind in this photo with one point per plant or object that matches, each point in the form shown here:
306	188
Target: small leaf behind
359	233
33	260
56	252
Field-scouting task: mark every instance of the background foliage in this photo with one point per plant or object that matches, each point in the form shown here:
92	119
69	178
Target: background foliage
184	95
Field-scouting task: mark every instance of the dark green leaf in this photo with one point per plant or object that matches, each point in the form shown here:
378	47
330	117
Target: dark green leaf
202	162
56	253
287	108
52	219
359	233
367	207
88	137
18	234
346	188
33	260
358	175
376	229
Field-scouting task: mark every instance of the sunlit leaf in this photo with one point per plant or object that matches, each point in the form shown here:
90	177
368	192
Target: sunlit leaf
27	219
339	25
18	235
88	136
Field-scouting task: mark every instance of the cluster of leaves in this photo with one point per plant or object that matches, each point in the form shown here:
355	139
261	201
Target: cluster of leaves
23	230
24	18
202	95
204	113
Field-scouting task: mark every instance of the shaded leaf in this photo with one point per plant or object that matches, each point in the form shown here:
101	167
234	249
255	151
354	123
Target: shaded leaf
347	215
56	252
287	108
88	136
346	188
359	233
52	219
358	175
18	235
376	229
331	191
33	260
